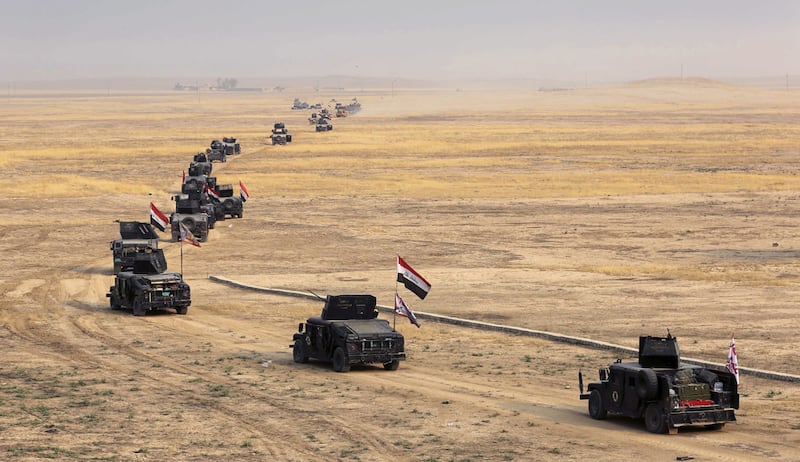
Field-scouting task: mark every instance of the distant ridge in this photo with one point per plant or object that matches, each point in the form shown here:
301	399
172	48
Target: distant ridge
685	82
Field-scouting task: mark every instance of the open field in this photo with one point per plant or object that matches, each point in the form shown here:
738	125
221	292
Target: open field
604	213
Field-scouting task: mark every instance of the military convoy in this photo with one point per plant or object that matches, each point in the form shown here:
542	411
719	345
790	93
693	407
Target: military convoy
280	135
667	393
348	332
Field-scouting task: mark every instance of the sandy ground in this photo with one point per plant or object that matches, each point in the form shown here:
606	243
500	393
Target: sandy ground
81	382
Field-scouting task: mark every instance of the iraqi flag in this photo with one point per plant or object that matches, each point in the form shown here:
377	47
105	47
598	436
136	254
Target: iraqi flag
212	192
183	177
187	236
732	364
243	192
411	279
402	309
158	219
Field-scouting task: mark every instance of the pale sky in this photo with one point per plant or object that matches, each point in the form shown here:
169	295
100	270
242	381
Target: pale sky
606	40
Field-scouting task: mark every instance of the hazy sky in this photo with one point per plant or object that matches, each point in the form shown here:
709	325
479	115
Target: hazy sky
605	40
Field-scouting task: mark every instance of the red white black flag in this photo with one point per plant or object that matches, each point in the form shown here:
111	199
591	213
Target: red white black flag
212	192
158	219
187	236
243	192
402	309
412	280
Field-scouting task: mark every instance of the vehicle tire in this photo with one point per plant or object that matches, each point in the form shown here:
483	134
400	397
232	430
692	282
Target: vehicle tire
175	237
240	214
392	365
113	302
340	362
654	419
192	184
646	384
299	351
203	237
137	307
716	426
182	309
189	223
597	410
227	204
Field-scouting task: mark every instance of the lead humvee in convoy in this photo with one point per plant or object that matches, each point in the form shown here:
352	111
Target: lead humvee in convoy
348	332
666	392
148	286
135	237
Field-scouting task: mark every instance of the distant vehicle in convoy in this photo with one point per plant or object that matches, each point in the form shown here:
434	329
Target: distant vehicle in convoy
135	238
323	125
232	146
148	286
280	135
198	218
348	332
665	392
313	119
230	205
298	105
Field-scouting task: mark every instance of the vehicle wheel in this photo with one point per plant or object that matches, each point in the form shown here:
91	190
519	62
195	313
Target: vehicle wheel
175	237
113	302
646	384
182	309
340	363
203	237
392	365
654	419
227	204
299	352
716	426
597	410
137	307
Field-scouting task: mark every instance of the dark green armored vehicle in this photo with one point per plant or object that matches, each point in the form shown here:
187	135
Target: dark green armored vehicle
348	332
148	286
662	390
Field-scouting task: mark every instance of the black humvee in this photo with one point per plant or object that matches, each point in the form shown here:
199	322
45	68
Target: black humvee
230	205
197	217
148	286
136	237
667	393
348	332
232	146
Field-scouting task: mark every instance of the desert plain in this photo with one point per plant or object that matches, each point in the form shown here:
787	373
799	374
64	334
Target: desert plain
604	213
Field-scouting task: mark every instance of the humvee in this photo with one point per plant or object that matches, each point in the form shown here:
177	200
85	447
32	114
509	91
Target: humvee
348	332
231	205
665	392
200	168
324	125
216	155
136	237
148	286
196	217
232	146
280	135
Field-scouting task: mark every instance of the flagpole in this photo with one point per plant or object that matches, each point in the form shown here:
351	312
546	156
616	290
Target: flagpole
181	241
394	311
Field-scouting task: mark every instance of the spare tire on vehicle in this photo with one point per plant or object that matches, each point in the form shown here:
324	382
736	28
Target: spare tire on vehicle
189	223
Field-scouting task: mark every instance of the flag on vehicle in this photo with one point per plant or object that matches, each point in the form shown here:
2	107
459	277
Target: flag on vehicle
158	219
412	280
183	177
243	192
212	192
402	309
732	365
188	236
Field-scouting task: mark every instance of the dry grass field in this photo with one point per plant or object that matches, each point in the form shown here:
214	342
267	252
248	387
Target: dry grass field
604	213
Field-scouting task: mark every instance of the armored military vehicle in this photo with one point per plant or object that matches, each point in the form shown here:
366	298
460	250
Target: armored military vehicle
313	119
665	392
280	135
148	286
217	154
135	238
299	105
230	205
232	146
191	213
200	168
348	332
324	125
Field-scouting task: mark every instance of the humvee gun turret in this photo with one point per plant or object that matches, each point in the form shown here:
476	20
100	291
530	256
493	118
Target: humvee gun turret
348	332
667	393
147	286
136	238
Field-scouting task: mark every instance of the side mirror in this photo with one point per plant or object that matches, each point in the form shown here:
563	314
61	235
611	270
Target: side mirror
603	374
300	327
